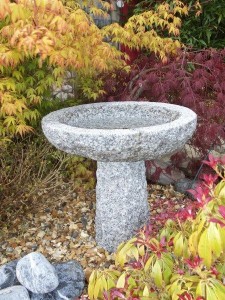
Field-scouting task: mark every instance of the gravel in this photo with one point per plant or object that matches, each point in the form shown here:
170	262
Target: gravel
60	225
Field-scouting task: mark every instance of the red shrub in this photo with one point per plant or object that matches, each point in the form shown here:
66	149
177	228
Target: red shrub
193	79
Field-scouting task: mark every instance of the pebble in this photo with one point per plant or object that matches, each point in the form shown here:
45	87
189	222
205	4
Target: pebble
36	273
177	206
8	275
71	280
48	296
9	249
16	292
84	234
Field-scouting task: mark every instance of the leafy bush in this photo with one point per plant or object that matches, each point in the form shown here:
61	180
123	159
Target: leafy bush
39	42
204	25
154	30
184	261
208	28
81	172
193	79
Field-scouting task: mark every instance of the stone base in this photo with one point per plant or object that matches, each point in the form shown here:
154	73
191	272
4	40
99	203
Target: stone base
122	206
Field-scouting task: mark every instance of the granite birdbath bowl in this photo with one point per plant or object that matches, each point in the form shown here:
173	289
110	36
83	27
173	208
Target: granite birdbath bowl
120	136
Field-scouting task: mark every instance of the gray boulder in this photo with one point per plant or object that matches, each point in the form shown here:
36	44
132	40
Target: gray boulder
8	275
16	292
71	280
47	296
36	273
185	184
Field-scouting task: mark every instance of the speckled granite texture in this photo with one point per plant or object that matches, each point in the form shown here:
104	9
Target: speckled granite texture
36	273
120	131
120	136
71	282
122	205
16	292
8	275
40	279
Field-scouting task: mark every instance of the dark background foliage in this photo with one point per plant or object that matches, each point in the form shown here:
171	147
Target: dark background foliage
201	31
193	79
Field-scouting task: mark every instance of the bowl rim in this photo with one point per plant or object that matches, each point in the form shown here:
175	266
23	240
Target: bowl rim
186	116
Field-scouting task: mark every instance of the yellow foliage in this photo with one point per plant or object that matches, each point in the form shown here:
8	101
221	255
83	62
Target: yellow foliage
40	40
142	31
5	8
52	31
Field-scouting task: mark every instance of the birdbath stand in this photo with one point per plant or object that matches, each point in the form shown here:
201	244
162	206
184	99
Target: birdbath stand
120	136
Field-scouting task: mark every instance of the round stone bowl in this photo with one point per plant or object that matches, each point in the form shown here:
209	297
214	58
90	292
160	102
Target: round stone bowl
120	136
120	131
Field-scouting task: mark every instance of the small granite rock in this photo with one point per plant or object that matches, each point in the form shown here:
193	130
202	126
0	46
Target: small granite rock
185	184
36	273
69	292
8	275
71	280
47	296
16	292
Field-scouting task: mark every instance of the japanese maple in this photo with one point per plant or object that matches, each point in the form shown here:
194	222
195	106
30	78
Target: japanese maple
40	40
192	79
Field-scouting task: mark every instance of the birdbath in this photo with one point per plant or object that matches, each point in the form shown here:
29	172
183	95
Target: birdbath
120	136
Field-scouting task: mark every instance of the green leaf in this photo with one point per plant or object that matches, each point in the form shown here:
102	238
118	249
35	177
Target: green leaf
121	281
17	75
148	263
157	274
131	282
222	235
97	288
200	290
175	289
40	74
210	294
178	244
134	252
219	190
30	91
204	248
91	285
10	84
122	252
218	288
19	12
215	238
167	273
10	120
146	292
193	242
110	283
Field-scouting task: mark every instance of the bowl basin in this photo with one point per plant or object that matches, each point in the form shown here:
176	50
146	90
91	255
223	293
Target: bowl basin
120	131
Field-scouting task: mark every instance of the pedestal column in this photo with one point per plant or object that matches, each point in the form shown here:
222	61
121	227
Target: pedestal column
121	202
